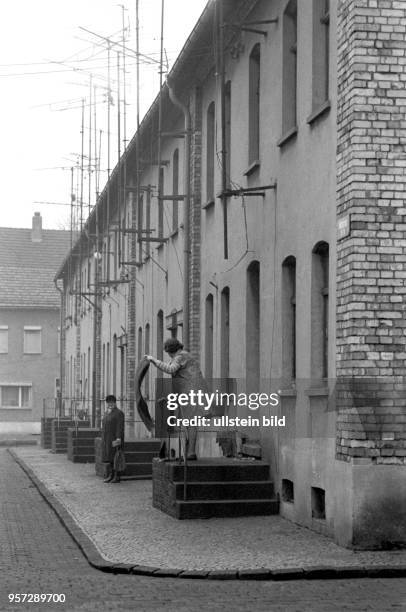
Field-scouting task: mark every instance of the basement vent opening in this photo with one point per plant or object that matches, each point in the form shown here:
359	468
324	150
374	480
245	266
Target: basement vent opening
288	491
318	503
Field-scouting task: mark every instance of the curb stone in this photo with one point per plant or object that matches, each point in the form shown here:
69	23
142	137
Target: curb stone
96	560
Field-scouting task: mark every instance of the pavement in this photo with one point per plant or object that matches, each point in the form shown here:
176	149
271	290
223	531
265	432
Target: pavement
38	555
119	530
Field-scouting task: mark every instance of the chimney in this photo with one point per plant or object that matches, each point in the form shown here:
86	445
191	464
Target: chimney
36	233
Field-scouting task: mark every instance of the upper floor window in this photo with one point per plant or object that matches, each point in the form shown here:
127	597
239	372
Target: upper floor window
254	103
320	307
210	151
147	234
227	94
175	189
161	204
289	68
320	60
3	338
32	340
289	318
140	226
209	337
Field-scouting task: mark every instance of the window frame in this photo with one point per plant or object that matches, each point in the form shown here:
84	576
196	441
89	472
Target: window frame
32	328
20	386
4	329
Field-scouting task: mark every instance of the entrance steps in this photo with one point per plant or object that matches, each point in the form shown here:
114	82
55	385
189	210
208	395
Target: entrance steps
81	444
214	488
138	456
59	433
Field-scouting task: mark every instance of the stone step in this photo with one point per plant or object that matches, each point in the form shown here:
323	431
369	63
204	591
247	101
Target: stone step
81	458
81	442
81	450
138	456
221	471
242	490
138	469
226	508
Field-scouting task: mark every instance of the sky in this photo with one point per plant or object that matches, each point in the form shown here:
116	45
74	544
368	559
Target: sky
46	58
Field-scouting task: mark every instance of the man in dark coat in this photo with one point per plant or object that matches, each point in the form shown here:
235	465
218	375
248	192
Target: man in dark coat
112	436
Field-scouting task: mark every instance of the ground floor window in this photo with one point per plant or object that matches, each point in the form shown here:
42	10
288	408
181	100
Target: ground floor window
15	396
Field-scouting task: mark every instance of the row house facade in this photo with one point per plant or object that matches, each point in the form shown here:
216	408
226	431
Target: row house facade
257	215
30	324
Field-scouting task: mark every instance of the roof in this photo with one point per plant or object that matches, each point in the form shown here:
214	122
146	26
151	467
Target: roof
27	268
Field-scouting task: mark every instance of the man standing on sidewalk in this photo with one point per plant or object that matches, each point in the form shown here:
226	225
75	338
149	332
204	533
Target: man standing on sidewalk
112	436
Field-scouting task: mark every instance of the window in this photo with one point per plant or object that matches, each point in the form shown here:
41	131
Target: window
253	104
140	226
32	340
227	126
15	396
175	189
147	351
3	338
108	257
289	78
115	255
225	334
319	313
321	43
114	364
104	371
148	222
318	503
161	204
210	151
160	336
252	342
208	361
108	368
139	352
289	318
288	491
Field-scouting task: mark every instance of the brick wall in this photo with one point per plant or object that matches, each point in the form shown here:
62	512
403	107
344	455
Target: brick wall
371	258
195	222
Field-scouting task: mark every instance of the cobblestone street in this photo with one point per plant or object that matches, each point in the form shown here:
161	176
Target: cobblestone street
38	556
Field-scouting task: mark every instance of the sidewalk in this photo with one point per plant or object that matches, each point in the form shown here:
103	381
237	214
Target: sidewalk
124	531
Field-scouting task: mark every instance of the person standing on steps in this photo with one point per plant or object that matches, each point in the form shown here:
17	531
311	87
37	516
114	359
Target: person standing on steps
112	436
186	376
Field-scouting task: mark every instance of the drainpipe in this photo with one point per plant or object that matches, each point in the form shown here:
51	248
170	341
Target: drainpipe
186	222
62	349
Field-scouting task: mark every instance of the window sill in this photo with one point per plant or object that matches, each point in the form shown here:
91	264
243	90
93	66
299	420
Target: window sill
208	204
287	136
321	110
15	408
253	167
317	392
